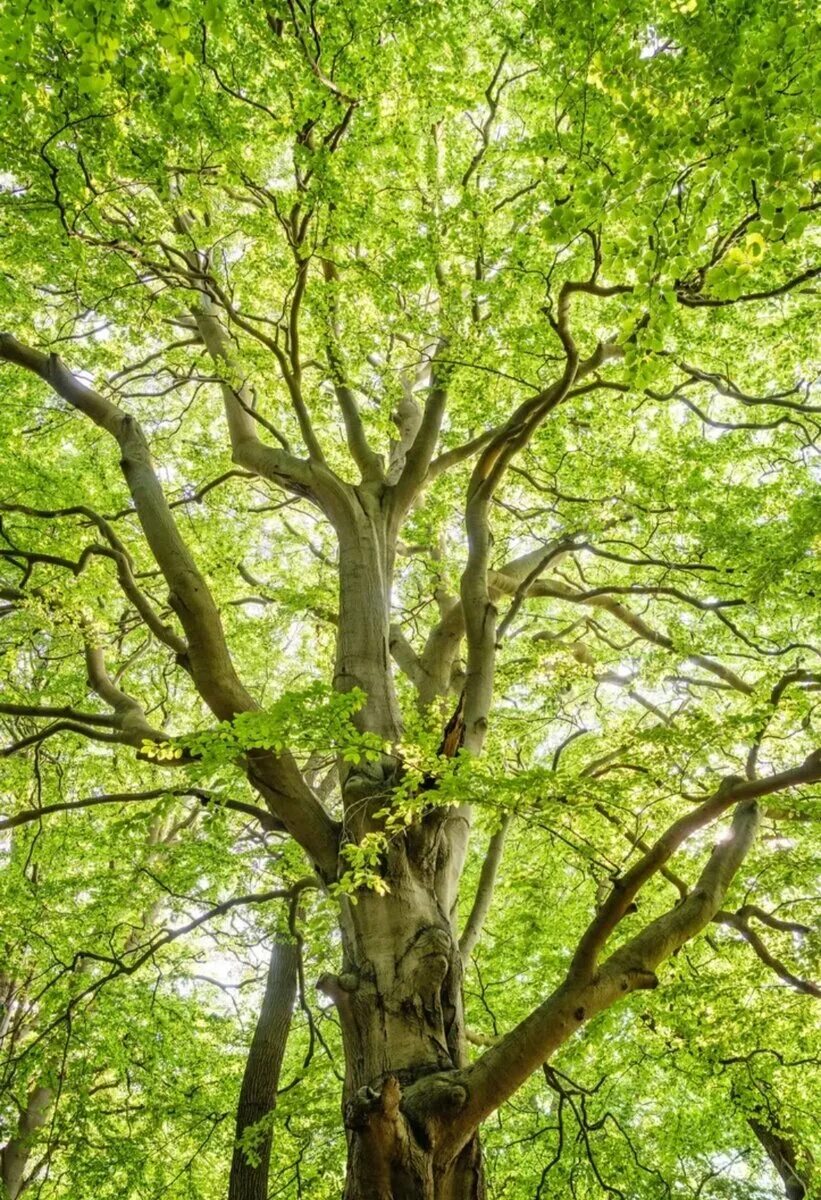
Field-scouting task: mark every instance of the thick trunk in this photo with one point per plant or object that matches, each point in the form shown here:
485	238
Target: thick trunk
399	993
258	1094
363	640
390	1160
400	1007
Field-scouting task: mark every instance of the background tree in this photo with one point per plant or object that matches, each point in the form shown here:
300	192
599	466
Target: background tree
410	498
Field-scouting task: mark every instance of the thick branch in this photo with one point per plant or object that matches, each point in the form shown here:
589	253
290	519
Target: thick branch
420	453
211	665
249	451
278	779
503	1068
733	790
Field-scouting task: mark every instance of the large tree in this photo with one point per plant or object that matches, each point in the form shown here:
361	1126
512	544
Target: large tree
409	445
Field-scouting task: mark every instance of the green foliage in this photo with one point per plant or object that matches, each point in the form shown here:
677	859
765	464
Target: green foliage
677	141
302	721
253	1137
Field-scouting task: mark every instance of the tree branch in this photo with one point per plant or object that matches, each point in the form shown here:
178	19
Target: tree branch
503	1068
369	462
732	791
694	300
484	892
421	450
27	815
124	564
278	779
740	922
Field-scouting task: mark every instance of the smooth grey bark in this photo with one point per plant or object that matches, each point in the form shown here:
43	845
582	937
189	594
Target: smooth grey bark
484	892
363	657
15	1155
258	1093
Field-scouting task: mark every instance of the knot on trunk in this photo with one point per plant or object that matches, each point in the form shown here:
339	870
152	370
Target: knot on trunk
370	780
439	1095
420	974
639	978
374	1103
336	987
431	1104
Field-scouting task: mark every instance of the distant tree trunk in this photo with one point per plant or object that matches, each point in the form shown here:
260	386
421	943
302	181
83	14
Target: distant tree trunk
782	1154
258	1093
16	1153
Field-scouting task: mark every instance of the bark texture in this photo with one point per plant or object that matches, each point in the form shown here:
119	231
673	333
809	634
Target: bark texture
258	1093
392	1157
399	998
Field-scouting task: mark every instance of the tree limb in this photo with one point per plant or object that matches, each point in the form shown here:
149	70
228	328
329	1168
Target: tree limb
278	778
503	1068
484	892
27	815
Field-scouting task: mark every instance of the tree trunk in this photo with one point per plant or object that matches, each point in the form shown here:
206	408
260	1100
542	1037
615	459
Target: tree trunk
16	1153
782	1154
389	1161
399	993
258	1094
399	998
363	658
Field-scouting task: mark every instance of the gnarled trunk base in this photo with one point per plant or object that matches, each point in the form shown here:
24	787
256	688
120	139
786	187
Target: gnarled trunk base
392	1157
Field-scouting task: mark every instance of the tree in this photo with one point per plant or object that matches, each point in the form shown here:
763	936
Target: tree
410	439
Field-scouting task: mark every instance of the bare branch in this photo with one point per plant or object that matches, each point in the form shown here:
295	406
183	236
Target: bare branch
484	892
740	921
95	735
420	453
65	711
27	815
695	300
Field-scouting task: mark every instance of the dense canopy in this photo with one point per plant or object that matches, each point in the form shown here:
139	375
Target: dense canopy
410	494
